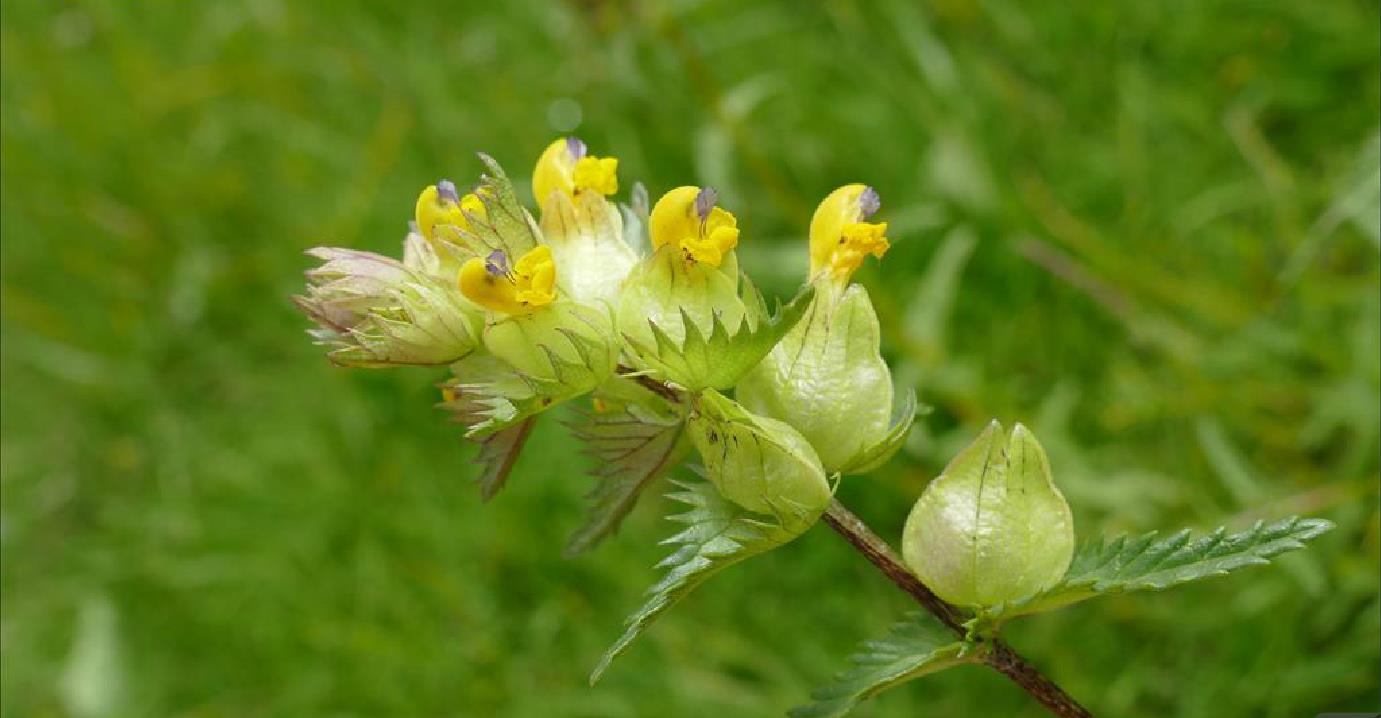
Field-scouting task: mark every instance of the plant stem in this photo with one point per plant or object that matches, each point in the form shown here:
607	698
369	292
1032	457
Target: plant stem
1001	657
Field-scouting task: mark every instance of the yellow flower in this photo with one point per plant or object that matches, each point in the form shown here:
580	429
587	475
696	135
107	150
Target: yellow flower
687	219
566	165
840	236
441	210
521	289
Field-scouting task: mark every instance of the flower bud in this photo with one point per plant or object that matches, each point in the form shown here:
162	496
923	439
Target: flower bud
761	464
993	528
827	379
376	311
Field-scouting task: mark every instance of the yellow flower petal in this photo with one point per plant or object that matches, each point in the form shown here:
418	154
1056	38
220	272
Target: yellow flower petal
565	166
440	211
522	289
840	238
687	219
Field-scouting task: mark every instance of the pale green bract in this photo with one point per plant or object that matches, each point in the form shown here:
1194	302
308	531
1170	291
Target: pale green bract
505	225
765	488
912	648
827	378
761	464
534	363
698	326
563	333
992	528
374	311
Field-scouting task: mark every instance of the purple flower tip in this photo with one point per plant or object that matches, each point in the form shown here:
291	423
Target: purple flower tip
705	201
446	190
869	202
576	147
497	264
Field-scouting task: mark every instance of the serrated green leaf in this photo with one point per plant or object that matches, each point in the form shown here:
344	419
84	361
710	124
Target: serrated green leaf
719	359
912	648
632	448
508	401
497	454
1142	563
488	396
879	453
718	534
499	450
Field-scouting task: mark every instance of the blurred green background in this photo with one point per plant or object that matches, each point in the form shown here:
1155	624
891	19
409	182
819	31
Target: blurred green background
1147	229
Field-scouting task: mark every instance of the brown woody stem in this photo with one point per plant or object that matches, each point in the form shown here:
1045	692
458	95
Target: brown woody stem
1001	657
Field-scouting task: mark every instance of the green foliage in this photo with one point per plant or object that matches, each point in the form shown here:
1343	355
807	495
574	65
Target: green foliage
717	534
497	454
1143	563
912	648
503	397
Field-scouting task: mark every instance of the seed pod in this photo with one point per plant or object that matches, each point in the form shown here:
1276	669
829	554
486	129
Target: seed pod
761	464
827	378
993	527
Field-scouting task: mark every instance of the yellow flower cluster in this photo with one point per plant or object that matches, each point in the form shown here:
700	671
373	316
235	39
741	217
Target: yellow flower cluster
687	219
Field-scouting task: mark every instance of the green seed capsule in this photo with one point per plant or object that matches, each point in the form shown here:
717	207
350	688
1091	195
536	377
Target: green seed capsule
761	464
993	527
